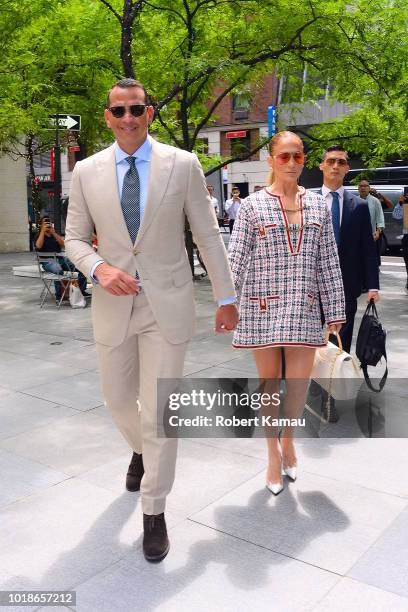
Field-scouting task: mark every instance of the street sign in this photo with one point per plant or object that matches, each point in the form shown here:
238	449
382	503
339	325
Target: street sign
272	115
69	122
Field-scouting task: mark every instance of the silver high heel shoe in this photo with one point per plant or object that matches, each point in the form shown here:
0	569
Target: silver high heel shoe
291	472
274	487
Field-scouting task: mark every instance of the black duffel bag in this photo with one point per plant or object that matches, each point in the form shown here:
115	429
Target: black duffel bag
371	344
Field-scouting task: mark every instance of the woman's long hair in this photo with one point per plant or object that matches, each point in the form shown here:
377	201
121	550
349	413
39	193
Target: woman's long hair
272	145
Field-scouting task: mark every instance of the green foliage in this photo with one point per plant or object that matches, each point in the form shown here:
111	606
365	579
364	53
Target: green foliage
372	78
51	63
63	55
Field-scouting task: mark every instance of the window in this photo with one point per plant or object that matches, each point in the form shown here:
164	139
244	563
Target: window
241	104
240	146
302	85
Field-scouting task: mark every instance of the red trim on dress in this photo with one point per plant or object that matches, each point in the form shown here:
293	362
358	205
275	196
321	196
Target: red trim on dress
301	224
286	225
255	346
262	229
263	304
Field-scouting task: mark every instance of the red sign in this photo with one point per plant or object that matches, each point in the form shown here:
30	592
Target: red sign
52	157
74	148
240	134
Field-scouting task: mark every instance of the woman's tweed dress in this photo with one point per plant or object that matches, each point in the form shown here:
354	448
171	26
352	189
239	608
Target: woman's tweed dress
281	269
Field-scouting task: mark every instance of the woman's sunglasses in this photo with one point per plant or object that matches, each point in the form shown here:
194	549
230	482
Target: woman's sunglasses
136	110
284	158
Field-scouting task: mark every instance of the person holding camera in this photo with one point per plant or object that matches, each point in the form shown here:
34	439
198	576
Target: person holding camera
385	202
49	241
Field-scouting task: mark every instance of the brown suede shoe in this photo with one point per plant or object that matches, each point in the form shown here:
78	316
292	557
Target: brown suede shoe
135	473
156	544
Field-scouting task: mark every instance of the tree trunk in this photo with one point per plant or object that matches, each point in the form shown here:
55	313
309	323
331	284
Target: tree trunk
126	42
35	186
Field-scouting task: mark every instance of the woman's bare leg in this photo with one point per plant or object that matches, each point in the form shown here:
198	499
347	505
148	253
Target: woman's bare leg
268	363
298	364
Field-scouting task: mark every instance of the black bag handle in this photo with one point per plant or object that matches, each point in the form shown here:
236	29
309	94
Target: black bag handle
371	306
368	381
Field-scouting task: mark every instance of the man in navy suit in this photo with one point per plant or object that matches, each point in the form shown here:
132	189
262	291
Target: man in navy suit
352	230
356	246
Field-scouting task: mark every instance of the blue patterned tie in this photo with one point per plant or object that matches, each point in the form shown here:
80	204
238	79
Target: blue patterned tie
130	200
335	211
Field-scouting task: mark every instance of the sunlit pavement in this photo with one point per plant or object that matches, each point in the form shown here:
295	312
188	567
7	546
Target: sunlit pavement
335	539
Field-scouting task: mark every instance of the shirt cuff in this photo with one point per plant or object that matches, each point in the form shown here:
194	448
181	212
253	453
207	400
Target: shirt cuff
377	290
227	301
92	272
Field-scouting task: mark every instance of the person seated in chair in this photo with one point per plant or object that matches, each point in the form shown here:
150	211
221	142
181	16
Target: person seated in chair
49	241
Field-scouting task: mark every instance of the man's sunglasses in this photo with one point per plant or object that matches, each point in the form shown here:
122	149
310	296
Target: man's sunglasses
284	158
330	161
136	110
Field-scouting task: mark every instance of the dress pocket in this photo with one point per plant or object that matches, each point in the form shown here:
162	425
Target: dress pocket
263	303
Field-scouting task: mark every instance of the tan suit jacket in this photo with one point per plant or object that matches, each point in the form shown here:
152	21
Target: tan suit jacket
176	187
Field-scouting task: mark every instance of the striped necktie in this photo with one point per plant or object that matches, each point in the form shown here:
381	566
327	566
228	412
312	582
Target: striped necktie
130	200
335	211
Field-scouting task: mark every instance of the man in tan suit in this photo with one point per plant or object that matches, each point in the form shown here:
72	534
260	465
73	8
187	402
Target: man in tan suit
136	193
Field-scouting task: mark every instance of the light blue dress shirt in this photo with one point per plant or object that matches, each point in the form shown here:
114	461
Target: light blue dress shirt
142	156
142	163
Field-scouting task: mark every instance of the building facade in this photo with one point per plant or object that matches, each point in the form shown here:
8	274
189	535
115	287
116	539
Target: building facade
242	122
240	125
14	228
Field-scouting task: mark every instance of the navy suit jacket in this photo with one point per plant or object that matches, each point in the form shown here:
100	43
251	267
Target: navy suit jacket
357	252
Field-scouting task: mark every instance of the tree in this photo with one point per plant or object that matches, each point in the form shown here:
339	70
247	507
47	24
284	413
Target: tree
373	81
62	56
50	64
193	53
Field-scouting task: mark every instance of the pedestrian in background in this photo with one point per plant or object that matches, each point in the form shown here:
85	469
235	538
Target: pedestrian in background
49	241
232	206
214	200
400	213
376	215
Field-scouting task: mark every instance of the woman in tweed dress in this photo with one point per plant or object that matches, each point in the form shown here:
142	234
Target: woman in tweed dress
283	257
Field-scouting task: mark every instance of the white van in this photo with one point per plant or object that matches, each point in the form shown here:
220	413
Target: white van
393	229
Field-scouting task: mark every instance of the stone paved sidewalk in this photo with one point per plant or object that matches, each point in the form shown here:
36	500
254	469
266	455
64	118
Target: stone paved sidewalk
336	539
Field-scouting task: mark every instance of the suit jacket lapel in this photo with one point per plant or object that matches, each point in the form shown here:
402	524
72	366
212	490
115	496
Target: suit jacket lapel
108	186
161	165
348	206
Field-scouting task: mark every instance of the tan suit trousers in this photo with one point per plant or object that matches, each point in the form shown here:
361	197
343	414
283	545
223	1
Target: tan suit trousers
129	374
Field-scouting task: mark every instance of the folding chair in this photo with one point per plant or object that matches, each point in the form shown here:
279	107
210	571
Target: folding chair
48	278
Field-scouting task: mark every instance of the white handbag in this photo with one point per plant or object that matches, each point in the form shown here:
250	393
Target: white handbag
76	299
337	372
